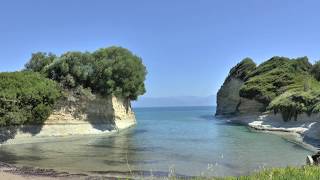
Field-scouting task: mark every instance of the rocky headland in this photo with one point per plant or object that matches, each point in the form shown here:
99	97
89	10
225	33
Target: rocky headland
77	116
279	96
77	93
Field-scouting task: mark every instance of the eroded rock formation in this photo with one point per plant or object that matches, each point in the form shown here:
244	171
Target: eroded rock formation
78	116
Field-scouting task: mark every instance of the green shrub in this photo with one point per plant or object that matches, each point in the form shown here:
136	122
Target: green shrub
288	173
39	61
274	77
292	103
26	98
40	113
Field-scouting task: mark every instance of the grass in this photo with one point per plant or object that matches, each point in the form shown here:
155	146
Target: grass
288	173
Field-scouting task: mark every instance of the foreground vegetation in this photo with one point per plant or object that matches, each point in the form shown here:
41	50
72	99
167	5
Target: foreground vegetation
283	85
29	96
289	173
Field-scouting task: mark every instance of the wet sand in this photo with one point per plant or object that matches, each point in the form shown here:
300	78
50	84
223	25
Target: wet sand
11	172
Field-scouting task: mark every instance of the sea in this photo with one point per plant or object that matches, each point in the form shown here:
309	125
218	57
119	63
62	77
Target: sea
184	141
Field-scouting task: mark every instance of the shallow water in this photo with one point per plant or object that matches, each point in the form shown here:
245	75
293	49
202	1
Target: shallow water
187	140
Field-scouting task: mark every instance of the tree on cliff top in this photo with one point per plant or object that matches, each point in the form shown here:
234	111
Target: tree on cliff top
107	71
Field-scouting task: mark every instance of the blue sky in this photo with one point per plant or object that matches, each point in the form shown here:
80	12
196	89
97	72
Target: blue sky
187	46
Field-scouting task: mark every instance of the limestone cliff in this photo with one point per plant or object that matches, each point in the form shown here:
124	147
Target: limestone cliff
80	115
228	97
113	111
229	101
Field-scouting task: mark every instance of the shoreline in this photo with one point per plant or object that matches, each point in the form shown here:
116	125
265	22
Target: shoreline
297	132
13	172
292	137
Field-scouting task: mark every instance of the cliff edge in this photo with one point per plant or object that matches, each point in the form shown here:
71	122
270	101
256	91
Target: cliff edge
78	115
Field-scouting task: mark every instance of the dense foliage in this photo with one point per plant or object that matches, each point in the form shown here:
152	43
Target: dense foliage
283	85
292	103
25	98
107	71
39	60
242	69
274	77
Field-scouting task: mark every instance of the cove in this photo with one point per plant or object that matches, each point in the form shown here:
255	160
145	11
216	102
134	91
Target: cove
187	140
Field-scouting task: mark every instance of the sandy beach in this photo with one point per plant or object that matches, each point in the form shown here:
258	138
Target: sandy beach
8	176
11	172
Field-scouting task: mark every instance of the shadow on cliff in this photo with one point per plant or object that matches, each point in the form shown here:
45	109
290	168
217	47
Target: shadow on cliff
10	132
100	119
101	122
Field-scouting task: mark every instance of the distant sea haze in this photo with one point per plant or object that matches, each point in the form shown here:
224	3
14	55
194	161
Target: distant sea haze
175	101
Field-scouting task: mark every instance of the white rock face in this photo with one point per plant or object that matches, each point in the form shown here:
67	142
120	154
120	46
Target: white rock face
97	115
305	125
229	101
305	128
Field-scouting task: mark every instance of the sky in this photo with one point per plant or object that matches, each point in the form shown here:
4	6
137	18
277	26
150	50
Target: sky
188	46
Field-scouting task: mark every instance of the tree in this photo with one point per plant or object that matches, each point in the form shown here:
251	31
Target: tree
107	71
124	73
26	98
39	61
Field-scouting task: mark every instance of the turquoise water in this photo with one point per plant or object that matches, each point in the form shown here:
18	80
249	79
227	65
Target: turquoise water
187	140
